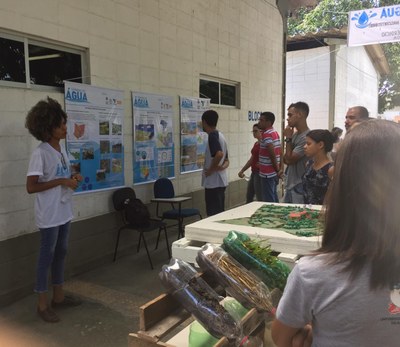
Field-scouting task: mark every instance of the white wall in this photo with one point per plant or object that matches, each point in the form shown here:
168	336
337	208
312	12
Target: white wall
159	46
356	82
307	79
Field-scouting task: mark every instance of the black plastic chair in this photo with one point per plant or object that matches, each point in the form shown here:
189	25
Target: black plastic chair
164	189
120	197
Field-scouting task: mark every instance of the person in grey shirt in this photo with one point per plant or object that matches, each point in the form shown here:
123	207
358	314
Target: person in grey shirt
347	293
294	156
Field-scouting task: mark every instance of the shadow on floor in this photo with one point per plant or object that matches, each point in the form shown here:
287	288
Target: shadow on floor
111	297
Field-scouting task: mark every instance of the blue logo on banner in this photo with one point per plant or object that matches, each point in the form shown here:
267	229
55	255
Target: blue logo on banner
140	101
76	95
363	19
187	103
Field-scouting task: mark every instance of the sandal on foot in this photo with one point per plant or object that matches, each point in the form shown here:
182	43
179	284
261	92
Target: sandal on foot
48	315
69	301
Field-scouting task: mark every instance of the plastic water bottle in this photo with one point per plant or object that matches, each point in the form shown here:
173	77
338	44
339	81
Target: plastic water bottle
251	341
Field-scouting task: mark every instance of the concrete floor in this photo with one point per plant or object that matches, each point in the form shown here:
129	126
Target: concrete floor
111	297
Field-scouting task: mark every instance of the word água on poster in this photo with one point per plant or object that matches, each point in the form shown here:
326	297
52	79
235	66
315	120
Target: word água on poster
95	135
193	138
153	147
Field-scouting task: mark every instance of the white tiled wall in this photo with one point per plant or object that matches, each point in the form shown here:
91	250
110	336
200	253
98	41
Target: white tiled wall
308	75
356	83
158	46
307	79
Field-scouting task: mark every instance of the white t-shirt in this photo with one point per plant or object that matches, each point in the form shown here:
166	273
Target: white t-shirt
216	142
343	313
53	207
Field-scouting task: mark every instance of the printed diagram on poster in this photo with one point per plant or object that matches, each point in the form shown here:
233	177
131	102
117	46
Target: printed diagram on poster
193	138
153	147
94	139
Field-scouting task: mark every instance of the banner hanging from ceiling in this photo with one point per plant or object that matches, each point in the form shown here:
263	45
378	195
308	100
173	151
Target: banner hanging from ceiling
373	26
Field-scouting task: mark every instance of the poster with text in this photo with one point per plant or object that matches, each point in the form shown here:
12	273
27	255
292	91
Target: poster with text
95	135
193	138
374	26
153	140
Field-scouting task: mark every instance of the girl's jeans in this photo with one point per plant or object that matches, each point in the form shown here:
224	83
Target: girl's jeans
53	249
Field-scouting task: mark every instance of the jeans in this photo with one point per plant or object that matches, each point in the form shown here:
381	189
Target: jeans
53	249
254	187
269	189
215	200
294	195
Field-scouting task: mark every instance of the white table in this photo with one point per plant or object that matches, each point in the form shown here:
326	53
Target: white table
209	230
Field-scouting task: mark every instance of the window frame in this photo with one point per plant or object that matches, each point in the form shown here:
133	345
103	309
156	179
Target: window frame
31	40
221	81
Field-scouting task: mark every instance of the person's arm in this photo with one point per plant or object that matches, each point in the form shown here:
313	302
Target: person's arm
286	336
272	156
34	186
330	172
293	153
214	166
245	167
224	165
290	157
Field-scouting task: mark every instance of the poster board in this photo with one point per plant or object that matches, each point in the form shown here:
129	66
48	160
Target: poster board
374	26
153	144
95	135
193	138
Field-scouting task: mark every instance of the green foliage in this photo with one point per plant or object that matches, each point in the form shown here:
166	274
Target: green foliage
333	14
326	15
389	86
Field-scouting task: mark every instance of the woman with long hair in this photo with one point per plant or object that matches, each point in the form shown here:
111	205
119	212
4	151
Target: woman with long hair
348	292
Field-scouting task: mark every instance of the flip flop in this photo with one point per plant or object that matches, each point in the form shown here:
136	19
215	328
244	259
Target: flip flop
48	315
69	301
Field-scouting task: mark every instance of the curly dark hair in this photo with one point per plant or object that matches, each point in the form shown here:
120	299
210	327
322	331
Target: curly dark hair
43	118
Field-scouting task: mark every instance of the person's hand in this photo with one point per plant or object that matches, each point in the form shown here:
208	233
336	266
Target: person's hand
241	174
280	174
303	338
77	177
71	183
288	132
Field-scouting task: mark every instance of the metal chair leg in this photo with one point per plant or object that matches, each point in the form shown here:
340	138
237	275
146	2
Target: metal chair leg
158	238
116	244
147	251
166	240
140	238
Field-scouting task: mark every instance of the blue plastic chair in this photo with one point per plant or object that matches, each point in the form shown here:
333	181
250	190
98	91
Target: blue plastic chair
164	189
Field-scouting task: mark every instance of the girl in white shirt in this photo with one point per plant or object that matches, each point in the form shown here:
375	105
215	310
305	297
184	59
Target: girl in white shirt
49	176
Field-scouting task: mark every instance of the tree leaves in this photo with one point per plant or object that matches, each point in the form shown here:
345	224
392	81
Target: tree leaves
333	14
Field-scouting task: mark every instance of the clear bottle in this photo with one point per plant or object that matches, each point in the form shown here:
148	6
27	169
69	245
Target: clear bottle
251	341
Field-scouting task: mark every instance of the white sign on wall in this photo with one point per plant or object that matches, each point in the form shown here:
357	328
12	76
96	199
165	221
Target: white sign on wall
375	25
